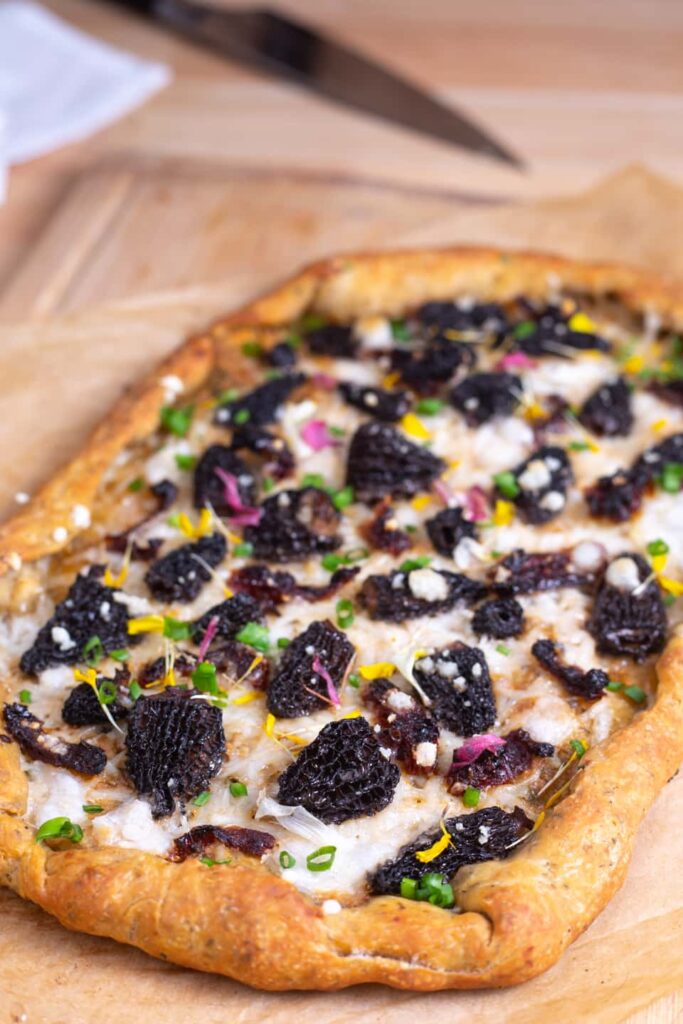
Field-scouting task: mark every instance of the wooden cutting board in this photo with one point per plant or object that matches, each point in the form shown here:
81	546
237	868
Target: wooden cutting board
125	234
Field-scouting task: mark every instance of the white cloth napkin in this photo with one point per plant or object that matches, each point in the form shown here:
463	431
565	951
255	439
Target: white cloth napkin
59	85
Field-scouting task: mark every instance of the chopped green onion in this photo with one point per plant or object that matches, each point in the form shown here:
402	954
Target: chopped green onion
311	322
470	797
321	859
431	888
204	678
227	396
177	419
635	693
579	446
400	330
106	692
657	547
253	349
174	520
409	888
337	431
93	808
210	862
241	417
671	477
430	406
174	629
613	686
524	329
135	690
668	600
503	649
314	480
25	696
238	789
579	747
294	340
59	828
506	484
286	860
354	680
244	550
202	798
411	529
283	641
345	616
136	485
341	499
122	654
185	461
93	651
255	635
411	564
332	561
267	483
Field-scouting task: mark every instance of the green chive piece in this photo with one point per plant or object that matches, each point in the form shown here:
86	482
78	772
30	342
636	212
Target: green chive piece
411	564
668	600
337	431
503	649
658	547
255	635
253	349
174	520
321	859
579	747
93	651
345	615
411	529
25	696
241	417
135	690
635	693
286	860
238	789
524	329
671	477
283	641
354	680
185	461
613	686
430	406
244	550
204	678
409	888
106	692
227	396
341	499
210	862
202	798
267	483
314	480
174	629
470	797
506	484
579	446
431	888
176	419
332	562
136	485
93	808
311	322
59	828
122	654
400	330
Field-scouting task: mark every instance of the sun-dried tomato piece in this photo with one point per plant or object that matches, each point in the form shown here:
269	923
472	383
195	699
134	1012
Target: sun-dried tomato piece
589	684
383	532
30	733
231	615
430	368
271	588
174	747
200	838
447	528
400	596
89	609
463	315
280	460
237	662
628	617
481	396
407	728
336	340
383	463
528	572
499	618
342	774
670	390
181	574
209	489
298	687
619	496
549	334
389	406
607	412
457	682
487	834
154	671
259	407
82	706
497	767
543	481
294	525
118	542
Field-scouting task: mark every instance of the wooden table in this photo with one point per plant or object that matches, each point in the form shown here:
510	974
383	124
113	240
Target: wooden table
578	89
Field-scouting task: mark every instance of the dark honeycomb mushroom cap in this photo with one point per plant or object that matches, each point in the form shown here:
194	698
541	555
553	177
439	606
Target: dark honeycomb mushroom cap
294	525
629	622
182	573
396	597
457	683
388	406
209	489
383	463
482	396
260	406
296	689
500	618
608	411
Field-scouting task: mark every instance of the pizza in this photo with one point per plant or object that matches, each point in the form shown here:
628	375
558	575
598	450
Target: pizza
347	648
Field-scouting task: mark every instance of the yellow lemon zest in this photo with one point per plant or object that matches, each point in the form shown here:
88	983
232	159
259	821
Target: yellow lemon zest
503	513
256	661
421	502
117	581
233	537
674	587
352	714
539	821
658	426
414	427
453	464
188	528
87	675
228	592
146	624
247	698
294	738
270	725
581	324
377	670
425	856
658	563
391	379
634	364
534	411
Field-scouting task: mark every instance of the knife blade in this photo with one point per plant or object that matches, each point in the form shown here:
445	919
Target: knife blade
282	46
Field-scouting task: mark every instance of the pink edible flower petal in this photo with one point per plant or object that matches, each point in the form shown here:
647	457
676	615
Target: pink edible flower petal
442	491
325	381
475	746
209	634
476	505
317	436
320	669
242	515
516	361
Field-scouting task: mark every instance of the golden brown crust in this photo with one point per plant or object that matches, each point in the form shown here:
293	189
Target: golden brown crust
519	914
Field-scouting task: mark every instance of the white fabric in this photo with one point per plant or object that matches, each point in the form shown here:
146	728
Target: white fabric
59	85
